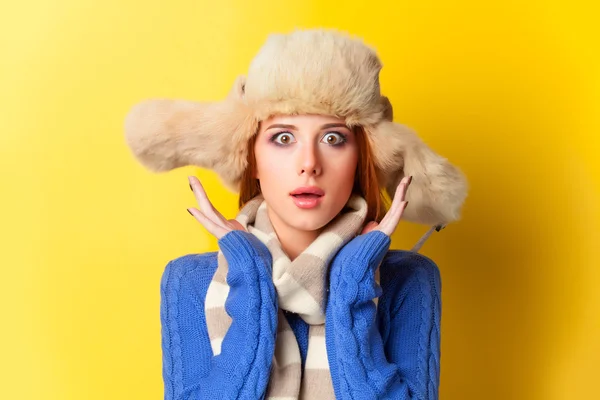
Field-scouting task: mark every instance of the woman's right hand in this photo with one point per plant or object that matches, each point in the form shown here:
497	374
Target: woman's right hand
246	351
207	215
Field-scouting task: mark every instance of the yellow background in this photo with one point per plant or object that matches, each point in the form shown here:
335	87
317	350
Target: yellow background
509	92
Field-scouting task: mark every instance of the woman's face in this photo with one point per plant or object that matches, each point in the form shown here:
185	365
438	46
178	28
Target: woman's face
306	166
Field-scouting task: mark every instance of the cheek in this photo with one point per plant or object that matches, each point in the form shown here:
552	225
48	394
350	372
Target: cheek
344	168
271	165
348	178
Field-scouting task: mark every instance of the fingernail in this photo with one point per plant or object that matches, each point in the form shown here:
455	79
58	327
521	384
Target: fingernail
191	188
405	204
410	179
188	210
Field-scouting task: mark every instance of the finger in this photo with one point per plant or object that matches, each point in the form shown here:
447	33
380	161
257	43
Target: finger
396	202
400	195
392	219
204	203
211	227
403	187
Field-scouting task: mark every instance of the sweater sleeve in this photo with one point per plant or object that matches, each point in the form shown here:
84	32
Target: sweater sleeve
190	371
395	356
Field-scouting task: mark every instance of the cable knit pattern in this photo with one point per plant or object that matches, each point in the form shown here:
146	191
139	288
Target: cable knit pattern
386	352
364	371
247	350
410	321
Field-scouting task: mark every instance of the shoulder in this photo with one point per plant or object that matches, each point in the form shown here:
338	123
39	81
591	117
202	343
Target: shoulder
190	273
404	271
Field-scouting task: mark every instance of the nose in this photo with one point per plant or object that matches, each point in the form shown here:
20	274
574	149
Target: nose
308	161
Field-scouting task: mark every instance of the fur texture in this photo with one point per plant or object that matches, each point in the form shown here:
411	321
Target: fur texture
316	72
166	134
305	72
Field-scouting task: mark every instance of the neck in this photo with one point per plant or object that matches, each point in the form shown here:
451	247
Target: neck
293	241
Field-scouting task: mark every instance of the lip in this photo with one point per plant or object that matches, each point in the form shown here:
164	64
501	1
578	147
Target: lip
308	190
307	202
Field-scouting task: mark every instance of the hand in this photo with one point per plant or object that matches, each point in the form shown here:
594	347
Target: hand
207	215
391	219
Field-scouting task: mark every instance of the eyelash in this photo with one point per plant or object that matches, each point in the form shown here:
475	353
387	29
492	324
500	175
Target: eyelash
343	138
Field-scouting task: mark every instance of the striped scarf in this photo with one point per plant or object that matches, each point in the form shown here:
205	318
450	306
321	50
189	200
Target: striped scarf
301	288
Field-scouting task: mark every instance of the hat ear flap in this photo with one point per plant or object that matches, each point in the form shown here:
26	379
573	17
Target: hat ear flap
438	188
166	134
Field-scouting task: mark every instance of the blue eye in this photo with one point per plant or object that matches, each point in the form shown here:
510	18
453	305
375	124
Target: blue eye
282	138
335	138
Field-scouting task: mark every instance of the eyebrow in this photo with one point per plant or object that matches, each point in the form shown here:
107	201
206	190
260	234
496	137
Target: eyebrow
326	126
334	125
282	126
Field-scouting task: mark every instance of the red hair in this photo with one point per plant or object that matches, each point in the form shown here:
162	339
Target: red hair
366	183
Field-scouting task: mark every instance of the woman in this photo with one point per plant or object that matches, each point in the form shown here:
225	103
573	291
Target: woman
304	298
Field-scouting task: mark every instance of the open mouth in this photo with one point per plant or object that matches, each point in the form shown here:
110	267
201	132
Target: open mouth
307	191
306	196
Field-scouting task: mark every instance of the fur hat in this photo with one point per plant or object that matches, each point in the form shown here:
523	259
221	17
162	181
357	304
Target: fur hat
305	72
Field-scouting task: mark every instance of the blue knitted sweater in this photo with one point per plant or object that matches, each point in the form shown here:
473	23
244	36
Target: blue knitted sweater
391	351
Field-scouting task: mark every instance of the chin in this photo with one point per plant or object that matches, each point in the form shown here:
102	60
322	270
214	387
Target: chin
308	224
307	220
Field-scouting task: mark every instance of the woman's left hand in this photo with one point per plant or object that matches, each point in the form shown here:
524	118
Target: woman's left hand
391	219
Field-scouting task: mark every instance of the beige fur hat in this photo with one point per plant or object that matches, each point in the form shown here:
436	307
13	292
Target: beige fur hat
305	72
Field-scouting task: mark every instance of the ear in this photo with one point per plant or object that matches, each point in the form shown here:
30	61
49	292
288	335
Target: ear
166	134
438	188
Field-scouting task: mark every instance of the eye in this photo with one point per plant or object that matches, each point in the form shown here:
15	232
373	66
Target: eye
334	138
282	138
